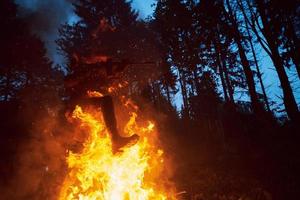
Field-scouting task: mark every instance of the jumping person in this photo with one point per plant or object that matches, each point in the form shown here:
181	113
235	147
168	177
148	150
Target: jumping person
97	72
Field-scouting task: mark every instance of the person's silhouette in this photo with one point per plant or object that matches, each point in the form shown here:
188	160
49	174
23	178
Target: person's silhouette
78	82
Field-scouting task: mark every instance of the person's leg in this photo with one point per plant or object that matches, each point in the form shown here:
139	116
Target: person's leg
107	107
108	113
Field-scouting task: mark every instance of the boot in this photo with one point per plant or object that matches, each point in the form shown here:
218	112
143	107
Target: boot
121	142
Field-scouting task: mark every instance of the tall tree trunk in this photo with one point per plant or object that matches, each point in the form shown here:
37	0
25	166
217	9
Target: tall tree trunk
196	79
249	77
168	94
224	85
228	82
257	68
223	67
245	63
288	96
182	83
259	75
221	71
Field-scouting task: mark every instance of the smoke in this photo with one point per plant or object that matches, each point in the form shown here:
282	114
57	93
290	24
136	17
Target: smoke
39	160
44	18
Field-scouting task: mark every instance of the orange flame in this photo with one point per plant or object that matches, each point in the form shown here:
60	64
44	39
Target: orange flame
96	173
116	87
94	94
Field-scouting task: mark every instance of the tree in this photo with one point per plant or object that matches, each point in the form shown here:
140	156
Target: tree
231	16
200	35
107	33
263	21
174	25
285	19
23	62
206	103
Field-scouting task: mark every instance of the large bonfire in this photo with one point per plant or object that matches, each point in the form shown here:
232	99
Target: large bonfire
136	173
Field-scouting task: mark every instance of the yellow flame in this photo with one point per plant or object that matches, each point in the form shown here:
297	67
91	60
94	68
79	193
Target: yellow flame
96	173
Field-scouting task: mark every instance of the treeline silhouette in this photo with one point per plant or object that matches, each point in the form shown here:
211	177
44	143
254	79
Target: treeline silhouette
204	51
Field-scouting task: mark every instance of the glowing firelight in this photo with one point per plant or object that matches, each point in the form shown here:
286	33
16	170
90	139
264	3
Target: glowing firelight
96	173
94	94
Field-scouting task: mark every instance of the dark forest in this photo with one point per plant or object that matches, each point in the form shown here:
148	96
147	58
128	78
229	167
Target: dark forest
173	106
